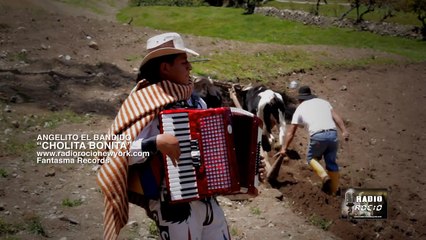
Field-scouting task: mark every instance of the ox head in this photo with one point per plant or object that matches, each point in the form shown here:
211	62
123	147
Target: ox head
211	94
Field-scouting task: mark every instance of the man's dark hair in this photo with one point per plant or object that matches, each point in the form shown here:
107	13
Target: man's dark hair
151	69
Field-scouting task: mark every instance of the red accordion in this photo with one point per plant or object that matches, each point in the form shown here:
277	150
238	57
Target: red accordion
220	150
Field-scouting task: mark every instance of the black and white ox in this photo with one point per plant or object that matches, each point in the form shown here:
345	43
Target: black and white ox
271	108
268	105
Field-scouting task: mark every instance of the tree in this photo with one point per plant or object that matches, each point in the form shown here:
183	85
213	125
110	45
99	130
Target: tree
371	5
251	5
316	11
355	4
390	7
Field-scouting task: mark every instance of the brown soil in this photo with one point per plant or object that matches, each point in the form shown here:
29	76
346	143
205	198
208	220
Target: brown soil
381	104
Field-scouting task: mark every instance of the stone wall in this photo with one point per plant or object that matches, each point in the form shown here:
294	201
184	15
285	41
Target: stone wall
382	28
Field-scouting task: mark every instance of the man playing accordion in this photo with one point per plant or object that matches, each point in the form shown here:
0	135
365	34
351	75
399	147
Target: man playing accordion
163	83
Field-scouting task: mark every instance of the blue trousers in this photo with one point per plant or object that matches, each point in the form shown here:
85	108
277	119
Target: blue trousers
324	144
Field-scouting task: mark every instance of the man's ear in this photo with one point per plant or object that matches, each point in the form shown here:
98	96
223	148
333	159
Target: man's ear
164	67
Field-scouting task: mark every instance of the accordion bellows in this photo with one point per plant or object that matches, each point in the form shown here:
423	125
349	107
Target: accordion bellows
220	152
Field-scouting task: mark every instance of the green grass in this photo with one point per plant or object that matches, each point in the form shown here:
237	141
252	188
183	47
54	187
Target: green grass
152	228
22	56
235	232
320	222
19	56
71	203
3	173
335	10
134	58
255	211
259	66
361	62
230	23
34	226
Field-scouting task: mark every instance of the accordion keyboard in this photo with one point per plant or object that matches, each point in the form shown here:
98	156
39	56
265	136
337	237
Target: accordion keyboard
183	180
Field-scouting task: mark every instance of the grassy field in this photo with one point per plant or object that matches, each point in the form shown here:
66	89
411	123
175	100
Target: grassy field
332	9
230	23
258	67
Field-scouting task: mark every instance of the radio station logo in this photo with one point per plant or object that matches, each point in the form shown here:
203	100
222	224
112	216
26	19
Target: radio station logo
362	203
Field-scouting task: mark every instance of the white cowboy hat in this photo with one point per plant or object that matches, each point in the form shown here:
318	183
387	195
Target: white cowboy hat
165	44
